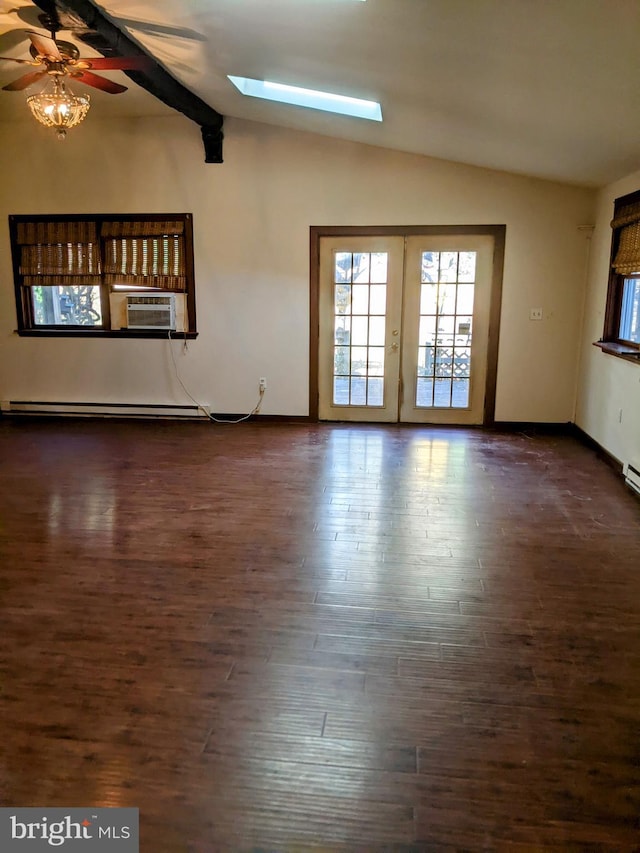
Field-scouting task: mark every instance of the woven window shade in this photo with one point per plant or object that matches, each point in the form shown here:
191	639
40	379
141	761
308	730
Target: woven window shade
627	221
149	228
145	254
627	259
58	253
626	214
56	232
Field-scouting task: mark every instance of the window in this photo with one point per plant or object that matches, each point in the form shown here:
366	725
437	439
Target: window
113	275
630	312
310	98
622	319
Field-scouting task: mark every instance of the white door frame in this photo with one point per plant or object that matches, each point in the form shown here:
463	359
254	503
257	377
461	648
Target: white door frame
498	232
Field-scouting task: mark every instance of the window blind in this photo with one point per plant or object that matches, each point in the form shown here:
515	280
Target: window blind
627	221
58	253
145	254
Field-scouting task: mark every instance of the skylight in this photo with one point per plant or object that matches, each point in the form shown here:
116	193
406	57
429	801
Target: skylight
308	98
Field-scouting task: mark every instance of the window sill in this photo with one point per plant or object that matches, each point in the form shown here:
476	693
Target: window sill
135	334
623	351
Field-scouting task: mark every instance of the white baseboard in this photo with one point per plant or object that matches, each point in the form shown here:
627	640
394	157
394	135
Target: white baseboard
111	410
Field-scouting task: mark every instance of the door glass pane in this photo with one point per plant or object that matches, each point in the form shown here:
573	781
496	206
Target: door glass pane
424	394
378	267
445	329
430	266
444	361
463	330
378	298
375	363
425	361
360	299
447	299
427	331
462	362
467	266
464	304
343	331
361	266
360	294
358	391
376	331
429	299
342	298
375	389
358	361
448	266
341	390
442	393
359	331
341	361
342	266
460	394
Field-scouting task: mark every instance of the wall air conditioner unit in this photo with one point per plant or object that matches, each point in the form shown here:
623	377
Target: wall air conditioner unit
151	312
631	473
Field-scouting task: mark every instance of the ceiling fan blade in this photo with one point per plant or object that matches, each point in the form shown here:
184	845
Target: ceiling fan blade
99	82
45	46
122	63
21	61
24	81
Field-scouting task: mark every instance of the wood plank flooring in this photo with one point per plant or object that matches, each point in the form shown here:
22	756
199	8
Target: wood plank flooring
321	637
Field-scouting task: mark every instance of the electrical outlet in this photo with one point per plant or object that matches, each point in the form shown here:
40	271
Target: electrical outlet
535	313
262	382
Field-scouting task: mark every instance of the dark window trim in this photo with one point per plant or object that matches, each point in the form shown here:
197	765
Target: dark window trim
626	351
24	309
84	332
611	343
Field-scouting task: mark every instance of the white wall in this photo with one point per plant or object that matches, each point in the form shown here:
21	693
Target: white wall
251	231
608	386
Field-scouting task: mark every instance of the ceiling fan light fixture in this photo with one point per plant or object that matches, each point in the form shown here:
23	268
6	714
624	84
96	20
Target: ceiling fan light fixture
57	107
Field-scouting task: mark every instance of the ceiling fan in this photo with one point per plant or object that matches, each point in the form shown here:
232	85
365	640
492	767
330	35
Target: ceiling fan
62	59
57	106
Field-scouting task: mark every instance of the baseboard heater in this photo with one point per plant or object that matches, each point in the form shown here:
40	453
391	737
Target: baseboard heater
108	410
631	471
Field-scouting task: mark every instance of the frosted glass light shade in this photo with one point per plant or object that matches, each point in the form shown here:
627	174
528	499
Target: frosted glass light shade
58	107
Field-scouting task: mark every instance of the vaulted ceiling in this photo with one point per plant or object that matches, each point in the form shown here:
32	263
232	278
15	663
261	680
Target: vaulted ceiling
547	88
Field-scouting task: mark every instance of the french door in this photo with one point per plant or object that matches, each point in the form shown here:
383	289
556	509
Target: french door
404	327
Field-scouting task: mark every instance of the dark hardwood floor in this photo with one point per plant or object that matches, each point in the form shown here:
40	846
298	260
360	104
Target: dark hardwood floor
332	638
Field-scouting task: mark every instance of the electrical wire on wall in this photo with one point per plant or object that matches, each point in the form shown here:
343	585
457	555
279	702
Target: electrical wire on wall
200	406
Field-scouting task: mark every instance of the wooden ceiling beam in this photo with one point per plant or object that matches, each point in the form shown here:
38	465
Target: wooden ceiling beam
103	34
